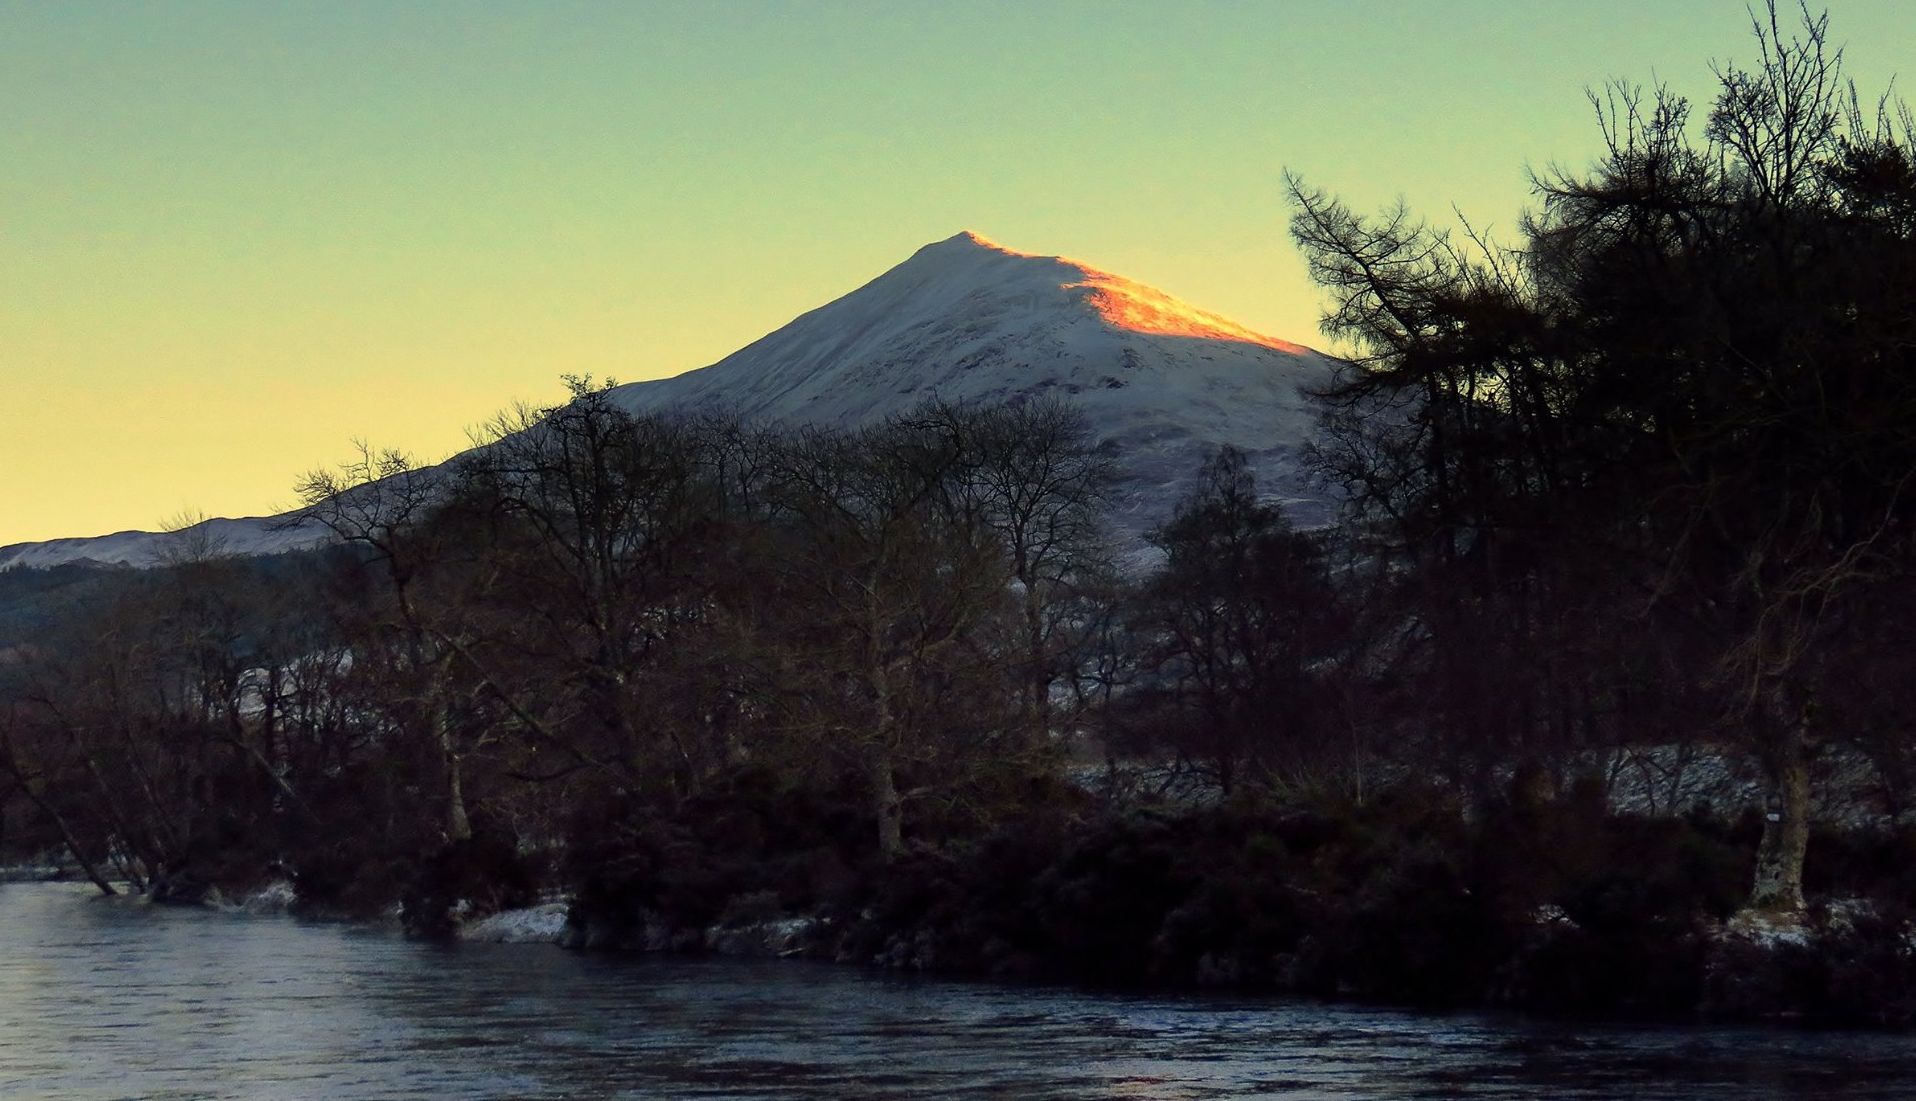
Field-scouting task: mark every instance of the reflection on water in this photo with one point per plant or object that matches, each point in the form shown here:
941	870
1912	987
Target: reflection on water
112	999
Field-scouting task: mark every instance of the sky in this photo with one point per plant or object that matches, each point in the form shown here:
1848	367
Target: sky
236	237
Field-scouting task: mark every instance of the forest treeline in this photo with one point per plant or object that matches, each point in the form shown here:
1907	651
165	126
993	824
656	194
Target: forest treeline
596	619
1641	478
591	612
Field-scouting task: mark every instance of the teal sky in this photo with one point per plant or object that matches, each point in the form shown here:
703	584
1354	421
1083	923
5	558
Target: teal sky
233	237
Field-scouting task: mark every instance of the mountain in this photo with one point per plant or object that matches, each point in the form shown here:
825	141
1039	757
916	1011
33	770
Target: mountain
965	319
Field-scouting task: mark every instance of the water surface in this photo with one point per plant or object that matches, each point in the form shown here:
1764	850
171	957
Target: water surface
103	998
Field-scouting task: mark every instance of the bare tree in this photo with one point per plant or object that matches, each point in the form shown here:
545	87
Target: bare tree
890	583
380	503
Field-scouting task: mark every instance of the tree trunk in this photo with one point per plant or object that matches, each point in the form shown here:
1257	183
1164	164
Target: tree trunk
60	826
458	825
889	808
1786	825
886	804
161	840
1037	676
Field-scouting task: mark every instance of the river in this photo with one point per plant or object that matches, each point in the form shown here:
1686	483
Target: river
111	998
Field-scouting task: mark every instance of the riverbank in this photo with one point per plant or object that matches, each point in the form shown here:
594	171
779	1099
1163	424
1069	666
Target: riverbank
1838	963
1550	906
36	872
1556	910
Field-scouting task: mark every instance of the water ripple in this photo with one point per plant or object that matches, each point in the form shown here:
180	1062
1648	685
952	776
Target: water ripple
106	999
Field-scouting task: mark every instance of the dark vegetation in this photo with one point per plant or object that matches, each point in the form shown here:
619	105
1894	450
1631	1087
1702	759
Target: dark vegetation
1642	479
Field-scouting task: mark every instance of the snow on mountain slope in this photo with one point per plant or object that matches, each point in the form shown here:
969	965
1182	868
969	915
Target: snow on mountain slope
968	320
248	535
963	319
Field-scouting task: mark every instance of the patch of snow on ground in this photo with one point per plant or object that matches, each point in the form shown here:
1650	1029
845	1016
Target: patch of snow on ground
539	924
1768	930
275	898
777	937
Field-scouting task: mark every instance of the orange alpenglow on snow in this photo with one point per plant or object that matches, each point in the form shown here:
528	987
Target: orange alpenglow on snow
1137	307
1141	309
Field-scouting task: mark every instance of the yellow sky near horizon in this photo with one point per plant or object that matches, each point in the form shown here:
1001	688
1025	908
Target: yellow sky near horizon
235	237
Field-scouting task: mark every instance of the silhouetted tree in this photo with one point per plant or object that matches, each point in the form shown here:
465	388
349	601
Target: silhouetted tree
1235	620
1689	394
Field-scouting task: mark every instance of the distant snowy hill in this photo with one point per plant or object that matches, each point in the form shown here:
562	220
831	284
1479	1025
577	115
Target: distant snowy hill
966	319
244	536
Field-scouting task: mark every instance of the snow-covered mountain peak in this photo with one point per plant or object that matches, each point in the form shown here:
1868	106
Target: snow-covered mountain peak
967	319
973	239
1123	303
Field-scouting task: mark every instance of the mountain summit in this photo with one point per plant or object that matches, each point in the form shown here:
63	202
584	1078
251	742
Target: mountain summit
964	319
